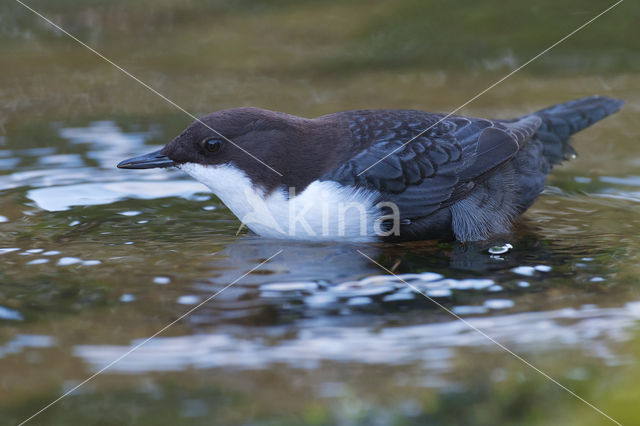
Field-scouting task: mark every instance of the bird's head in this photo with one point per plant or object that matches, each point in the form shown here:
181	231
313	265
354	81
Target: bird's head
256	142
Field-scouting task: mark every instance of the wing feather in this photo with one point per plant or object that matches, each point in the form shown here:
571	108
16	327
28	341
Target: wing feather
436	169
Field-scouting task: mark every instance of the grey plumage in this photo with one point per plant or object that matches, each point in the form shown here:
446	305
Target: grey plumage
463	178
467	178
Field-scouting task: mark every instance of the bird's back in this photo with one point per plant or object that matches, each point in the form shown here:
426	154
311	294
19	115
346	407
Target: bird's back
464	177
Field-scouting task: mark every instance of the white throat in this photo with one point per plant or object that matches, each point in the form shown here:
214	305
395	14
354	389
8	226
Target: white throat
325	210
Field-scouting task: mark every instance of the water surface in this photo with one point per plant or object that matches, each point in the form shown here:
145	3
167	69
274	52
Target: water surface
93	260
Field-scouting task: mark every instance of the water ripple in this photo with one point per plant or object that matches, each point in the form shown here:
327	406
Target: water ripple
591	328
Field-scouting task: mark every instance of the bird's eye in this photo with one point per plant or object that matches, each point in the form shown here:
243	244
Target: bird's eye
212	145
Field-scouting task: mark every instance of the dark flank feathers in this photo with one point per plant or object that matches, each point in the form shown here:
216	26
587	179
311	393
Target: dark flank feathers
465	178
453	177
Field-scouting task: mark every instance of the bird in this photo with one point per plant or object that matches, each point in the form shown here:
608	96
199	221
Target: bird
377	174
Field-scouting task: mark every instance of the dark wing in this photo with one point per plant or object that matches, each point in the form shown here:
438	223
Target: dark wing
434	170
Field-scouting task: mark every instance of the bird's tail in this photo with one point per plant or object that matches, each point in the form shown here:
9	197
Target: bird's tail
560	121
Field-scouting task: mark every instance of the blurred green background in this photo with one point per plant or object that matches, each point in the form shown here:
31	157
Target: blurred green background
307	58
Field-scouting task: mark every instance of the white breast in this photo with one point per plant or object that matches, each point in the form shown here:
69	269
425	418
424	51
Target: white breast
323	211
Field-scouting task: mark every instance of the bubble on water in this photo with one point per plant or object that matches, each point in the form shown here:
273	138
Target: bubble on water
127	298
10	314
500	249
51	253
429	276
319	300
468	284
524	270
358	301
130	213
499	303
399	279
188	299
469	310
38	261
356	288
379	280
66	261
161	280
288	287
398	297
479	284
8	250
439	292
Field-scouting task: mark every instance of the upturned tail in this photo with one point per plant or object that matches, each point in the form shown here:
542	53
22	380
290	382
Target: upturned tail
561	121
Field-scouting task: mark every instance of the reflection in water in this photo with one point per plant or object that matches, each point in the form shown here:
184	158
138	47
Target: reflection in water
107	142
324	302
21	342
322	280
307	280
59	198
328	262
101	144
589	328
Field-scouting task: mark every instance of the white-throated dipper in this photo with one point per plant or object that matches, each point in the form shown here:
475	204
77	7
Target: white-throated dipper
352	174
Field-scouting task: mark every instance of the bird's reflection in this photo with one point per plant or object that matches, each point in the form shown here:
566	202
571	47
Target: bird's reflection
321	280
298	261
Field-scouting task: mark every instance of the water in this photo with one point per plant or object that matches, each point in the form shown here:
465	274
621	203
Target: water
94	260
